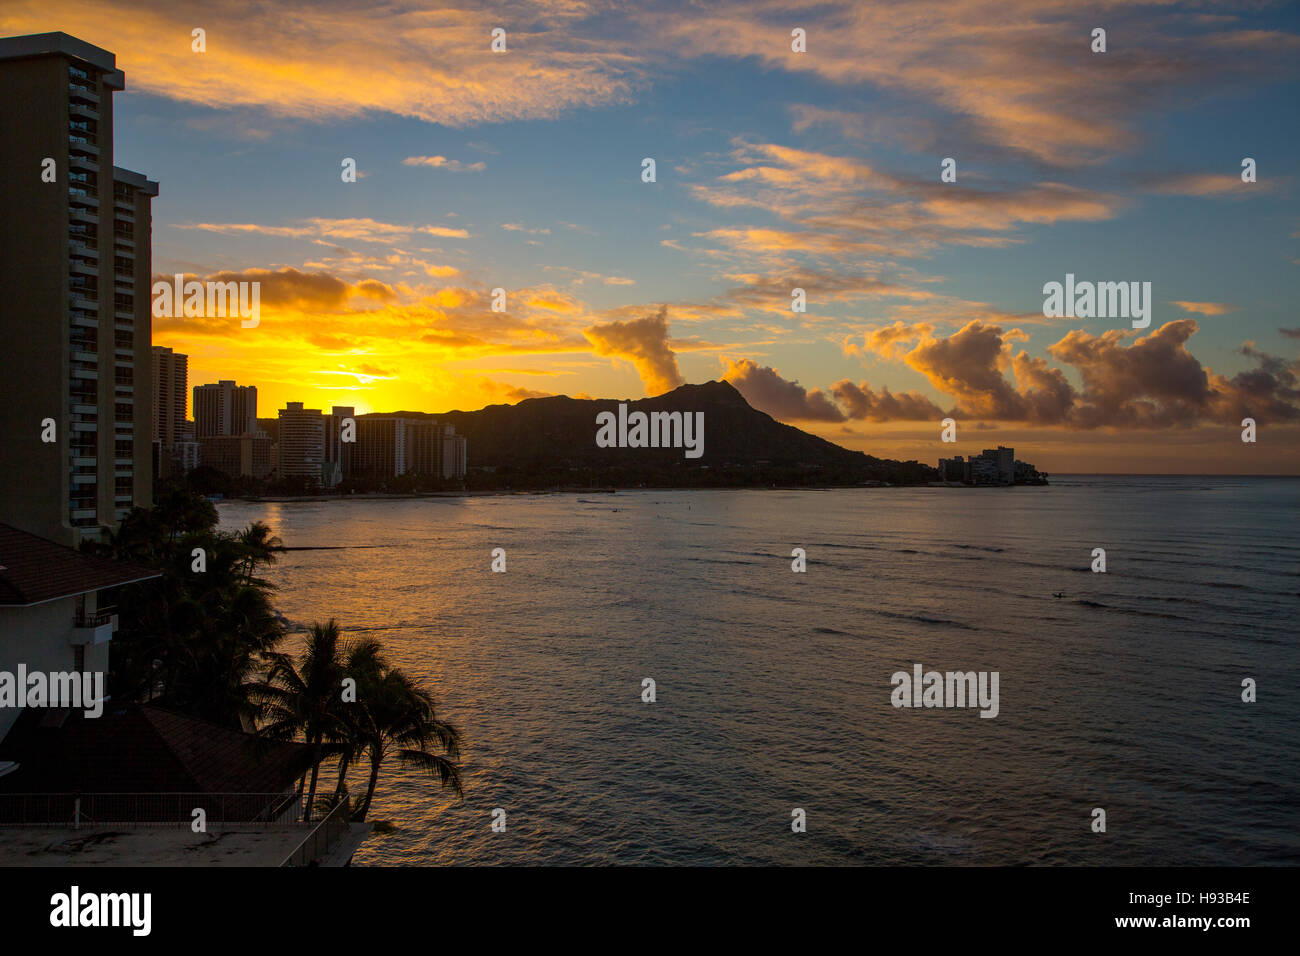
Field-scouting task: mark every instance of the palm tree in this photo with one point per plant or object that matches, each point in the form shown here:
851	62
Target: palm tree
259	545
365	660
307	696
397	717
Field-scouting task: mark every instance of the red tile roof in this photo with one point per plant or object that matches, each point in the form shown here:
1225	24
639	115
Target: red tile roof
34	569
140	748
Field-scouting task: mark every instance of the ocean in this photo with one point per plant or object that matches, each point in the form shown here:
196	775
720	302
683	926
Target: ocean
773	688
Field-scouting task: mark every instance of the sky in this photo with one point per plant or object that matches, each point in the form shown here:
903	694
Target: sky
774	170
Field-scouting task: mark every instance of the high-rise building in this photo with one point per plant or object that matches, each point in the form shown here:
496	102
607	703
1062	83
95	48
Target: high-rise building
380	450
454	453
338	453
424	448
389	447
170	381
75	269
237	455
302	442
225	409
1005	460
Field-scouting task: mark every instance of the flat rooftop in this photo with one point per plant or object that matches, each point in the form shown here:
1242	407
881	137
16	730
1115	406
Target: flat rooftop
236	845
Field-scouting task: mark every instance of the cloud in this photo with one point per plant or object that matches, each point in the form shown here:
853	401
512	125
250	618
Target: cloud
511	394
291	288
644	343
1205	308
348	58
442	162
1205	184
966	61
841	210
363	230
864	403
765	389
889	342
1152	382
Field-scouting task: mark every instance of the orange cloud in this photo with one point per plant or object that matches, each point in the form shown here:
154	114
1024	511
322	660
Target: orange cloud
1205	308
348	58
644	343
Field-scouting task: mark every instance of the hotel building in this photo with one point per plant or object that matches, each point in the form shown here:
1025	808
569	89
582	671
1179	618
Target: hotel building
75	267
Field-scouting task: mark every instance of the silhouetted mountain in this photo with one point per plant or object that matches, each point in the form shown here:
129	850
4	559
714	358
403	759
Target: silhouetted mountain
557	435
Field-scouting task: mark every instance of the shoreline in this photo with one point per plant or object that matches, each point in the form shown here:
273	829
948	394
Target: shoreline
525	492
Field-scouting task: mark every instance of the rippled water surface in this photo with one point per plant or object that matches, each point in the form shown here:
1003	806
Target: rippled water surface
774	687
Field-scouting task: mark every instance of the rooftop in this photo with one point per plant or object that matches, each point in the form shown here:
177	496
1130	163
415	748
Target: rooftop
139	748
34	570
60	44
169	846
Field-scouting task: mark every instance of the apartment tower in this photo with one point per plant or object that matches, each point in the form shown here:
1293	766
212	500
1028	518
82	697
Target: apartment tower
75	271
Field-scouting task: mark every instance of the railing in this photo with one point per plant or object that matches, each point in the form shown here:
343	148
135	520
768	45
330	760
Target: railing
78	810
324	836
94	618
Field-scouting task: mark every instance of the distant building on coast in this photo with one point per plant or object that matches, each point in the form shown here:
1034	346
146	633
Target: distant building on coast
391	447
170	378
302	442
225	409
992	466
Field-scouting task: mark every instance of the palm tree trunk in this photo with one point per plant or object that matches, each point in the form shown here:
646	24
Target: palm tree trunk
342	786
376	758
315	775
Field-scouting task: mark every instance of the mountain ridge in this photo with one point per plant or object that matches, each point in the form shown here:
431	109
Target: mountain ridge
557	433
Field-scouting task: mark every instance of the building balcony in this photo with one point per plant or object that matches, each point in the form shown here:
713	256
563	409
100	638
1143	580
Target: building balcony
94	627
82	110
79	92
83	268
79	248
78	214
83	162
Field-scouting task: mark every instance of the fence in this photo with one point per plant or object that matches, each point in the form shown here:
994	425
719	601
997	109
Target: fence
147	809
324	836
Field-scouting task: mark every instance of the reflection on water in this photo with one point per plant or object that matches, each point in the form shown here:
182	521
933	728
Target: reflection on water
774	687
